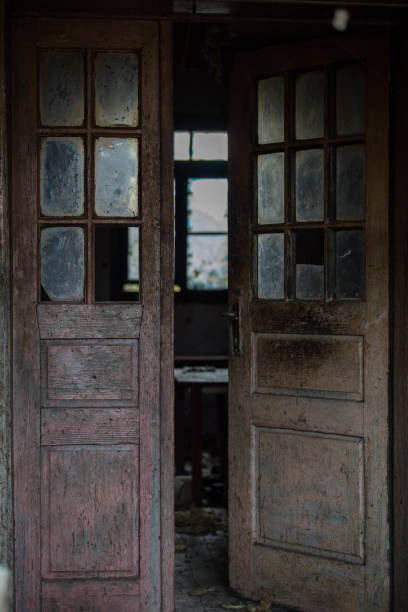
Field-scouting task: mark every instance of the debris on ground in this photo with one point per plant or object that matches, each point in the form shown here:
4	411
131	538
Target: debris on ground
200	592
232	606
197	521
180	545
261	607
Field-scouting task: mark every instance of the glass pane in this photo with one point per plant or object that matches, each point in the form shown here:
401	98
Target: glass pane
116	89
62	176
350	100
62	88
116	177
62	263
310	185
350	182
310	105
182	146
116	263
271	110
310	265
271	188
210	145
271	268
207	205
207	262
350	264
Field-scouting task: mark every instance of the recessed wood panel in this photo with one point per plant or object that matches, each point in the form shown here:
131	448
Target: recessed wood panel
321	366
89	371
101	596
90	502
79	321
310	492
89	426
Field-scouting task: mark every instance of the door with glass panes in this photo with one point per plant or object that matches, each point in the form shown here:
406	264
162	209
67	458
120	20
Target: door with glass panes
86	317
309	307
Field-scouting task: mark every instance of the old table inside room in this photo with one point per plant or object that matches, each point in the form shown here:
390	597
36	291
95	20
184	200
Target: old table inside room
199	380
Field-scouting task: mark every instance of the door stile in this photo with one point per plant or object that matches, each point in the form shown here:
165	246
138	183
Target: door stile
167	318
239	454
26	356
377	346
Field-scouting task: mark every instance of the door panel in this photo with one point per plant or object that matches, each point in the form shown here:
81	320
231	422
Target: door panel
309	267
87	375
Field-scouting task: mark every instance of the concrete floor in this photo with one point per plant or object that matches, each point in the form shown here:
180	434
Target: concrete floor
204	565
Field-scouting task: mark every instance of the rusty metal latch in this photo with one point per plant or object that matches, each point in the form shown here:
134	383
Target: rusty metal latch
233	317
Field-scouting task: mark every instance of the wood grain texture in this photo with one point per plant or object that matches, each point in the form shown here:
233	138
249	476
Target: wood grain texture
90	511
400	297
26	357
89	321
98	372
324	366
289	577
89	426
298	507
167	319
101	513
104	596
6	495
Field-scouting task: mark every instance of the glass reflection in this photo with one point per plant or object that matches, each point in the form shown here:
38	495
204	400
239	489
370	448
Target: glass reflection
271	111
62	176
271	188
62	263
310	105
271	251
62	88
116	177
116	89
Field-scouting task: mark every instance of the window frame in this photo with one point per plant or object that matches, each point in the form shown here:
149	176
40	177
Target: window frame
183	171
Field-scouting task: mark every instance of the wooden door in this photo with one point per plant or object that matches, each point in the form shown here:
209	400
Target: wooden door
88	434
309	287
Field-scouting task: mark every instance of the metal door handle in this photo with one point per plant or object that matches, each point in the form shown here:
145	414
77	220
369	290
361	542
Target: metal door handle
231	316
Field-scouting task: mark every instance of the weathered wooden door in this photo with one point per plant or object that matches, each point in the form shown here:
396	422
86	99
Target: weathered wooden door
309	289
91	443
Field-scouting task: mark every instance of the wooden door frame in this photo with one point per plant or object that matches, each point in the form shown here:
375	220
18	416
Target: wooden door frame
6	487
399	299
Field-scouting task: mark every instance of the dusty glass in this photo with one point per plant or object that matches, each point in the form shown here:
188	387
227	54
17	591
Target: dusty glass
271	110
62	176
116	89
270	265
271	188
116	177
62	263
62	88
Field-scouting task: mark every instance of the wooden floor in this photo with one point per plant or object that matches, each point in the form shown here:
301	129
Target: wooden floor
203	565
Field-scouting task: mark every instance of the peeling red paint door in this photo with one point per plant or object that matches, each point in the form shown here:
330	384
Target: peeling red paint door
309	290
89	532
